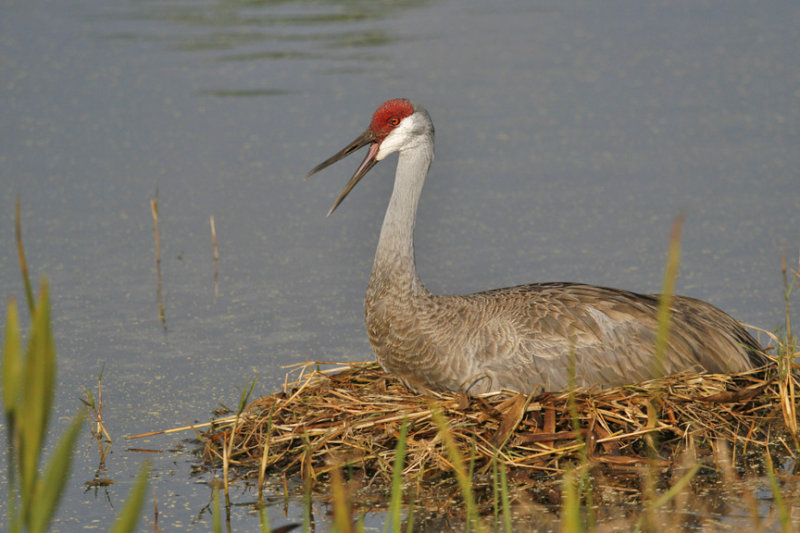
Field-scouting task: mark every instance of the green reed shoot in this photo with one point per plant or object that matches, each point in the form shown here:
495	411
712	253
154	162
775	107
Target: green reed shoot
265	457
571	507
95	405
583	480
28	389
217	519
504	498
786	352
263	519
227	447
500	495
783	512
341	504
495	494
664	313
28	384
308	517
665	498
23	265
393	513
664	323
462	477
129	516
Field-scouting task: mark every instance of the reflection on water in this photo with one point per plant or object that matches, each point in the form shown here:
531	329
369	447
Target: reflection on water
718	498
261	33
221	93
225	26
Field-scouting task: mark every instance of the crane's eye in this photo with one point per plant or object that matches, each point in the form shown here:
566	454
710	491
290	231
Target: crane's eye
394	121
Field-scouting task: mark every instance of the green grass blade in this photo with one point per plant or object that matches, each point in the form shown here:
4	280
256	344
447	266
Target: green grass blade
13	517
262	471
341	505
244	398
49	491
393	514
664	311
217	519
464	481
23	265
37	396
777	495
263	519
11	380
307	501
668	495
495	495
504	498
129	516
410	515
571	507
12	362
676	488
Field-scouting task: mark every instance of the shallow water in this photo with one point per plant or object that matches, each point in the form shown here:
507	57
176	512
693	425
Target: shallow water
568	137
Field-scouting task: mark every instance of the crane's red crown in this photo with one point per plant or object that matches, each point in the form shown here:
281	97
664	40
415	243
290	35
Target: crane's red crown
389	115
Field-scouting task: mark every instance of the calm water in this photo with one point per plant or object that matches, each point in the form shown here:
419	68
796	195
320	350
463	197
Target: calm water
569	134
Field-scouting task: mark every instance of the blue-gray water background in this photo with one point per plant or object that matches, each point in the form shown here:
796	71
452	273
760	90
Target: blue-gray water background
569	135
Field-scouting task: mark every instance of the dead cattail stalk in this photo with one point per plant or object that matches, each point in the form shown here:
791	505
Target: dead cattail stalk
214	239
216	256
787	291
786	356
95	405
154	211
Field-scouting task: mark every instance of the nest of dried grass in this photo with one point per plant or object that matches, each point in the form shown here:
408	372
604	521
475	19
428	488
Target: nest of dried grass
352	414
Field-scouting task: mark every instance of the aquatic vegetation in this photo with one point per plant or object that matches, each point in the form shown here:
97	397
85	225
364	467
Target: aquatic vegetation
567	455
28	396
352	416
28	387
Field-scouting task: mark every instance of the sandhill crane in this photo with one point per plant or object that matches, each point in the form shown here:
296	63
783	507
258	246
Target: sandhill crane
517	338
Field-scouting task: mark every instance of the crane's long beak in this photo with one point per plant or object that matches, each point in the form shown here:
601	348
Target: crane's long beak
368	137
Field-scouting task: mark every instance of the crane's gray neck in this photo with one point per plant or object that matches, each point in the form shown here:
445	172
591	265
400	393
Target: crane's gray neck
394	260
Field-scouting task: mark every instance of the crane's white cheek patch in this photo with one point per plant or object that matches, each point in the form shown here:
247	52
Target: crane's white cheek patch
400	138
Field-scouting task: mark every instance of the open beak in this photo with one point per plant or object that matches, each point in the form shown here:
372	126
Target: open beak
366	138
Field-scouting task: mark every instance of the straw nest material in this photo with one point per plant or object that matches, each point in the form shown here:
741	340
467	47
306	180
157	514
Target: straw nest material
352	415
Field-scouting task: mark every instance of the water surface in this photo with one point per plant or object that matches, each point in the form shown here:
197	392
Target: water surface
569	135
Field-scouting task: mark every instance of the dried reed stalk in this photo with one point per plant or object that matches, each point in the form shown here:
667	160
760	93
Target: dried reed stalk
214	238
154	210
352	415
216	256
